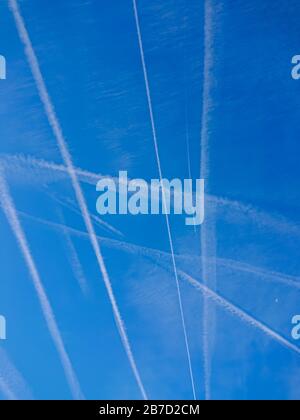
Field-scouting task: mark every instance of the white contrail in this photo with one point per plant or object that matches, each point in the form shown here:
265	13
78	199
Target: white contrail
208	234
12	217
12	384
72	206
54	123
276	277
163	259
12	164
20	166
74	259
235	310
187	140
154	134
186	113
287	280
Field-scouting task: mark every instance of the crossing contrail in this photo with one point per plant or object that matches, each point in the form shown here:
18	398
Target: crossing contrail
63	147
154	134
274	276
163	259
21	167
242	315
68	203
13	220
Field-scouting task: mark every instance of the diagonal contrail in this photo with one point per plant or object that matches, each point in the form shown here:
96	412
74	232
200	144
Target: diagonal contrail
208	234
154	134
241	314
163	259
68	203
12	217
57	131
74	259
276	277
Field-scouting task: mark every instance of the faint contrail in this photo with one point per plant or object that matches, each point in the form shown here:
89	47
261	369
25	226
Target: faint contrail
74	259
287	280
57	131
208	234
12	384
6	390
72	206
12	217
154	134
163	259
186	111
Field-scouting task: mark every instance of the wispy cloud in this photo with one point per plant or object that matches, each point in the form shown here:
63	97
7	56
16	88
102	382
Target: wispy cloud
14	222
63	147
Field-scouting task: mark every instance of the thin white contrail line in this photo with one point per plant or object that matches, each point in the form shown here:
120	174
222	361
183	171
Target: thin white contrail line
207	235
12	217
149	99
54	123
163	259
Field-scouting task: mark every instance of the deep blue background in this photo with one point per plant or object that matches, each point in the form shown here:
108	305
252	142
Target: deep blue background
89	56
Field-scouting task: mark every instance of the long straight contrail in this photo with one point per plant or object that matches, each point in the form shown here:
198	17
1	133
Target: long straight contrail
154	134
208	234
62	145
12	217
163	259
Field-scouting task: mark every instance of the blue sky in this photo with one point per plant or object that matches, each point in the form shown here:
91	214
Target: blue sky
247	102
